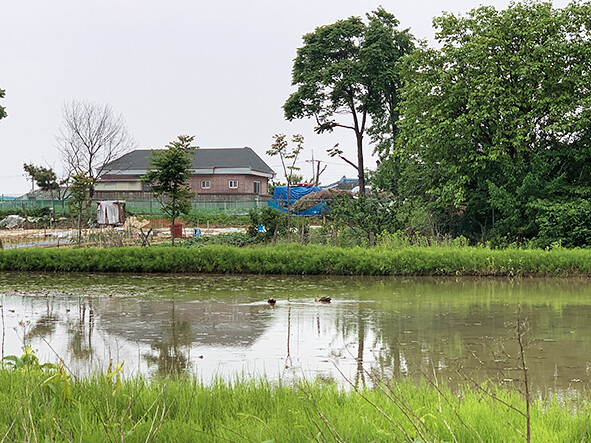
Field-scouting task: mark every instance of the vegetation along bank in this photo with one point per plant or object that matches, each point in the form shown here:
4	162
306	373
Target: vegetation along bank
299	259
47	405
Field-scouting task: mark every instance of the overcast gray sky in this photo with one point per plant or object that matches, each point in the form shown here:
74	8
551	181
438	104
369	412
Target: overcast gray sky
217	69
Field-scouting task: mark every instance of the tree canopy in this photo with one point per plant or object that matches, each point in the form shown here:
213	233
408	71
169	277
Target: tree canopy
350	67
495	128
169	177
45	178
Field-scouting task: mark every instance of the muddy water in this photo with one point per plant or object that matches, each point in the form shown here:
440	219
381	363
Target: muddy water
457	330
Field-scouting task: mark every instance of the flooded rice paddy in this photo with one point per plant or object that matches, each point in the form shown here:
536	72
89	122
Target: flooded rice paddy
454	330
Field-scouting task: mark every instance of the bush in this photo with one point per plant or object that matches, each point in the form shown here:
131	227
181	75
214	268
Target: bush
296	259
238	239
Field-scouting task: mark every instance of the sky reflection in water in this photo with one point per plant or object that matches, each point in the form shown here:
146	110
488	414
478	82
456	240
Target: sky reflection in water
456	329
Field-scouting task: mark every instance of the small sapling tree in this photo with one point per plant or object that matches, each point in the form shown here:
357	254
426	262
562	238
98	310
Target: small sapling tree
289	156
169	177
79	197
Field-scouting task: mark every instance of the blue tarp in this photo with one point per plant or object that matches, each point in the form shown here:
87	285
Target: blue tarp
317	209
295	193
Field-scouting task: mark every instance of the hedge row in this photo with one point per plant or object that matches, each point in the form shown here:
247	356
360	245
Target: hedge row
298	259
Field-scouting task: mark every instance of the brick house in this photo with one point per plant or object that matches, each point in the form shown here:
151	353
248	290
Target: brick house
220	175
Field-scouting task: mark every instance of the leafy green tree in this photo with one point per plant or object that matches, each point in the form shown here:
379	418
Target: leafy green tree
366	215
350	68
273	221
79	197
169	177
46	180
497	119
2	108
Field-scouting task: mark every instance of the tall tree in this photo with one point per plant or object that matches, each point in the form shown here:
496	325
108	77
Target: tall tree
498	119
350	68
91	136
169	177
2	108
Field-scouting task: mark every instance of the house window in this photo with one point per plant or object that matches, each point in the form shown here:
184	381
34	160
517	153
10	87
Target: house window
205	184
233	184
257	187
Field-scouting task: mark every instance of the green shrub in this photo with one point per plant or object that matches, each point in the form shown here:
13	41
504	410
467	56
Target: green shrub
304	259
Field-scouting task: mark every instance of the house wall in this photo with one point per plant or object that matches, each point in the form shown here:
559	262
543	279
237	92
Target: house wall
118	186
136	195
125	188
219	184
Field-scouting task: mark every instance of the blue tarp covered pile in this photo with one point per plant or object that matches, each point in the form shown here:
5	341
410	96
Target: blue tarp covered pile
295	193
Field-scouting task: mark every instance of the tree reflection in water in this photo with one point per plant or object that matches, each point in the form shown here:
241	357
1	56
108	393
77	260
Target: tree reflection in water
392	328
80	331
173	349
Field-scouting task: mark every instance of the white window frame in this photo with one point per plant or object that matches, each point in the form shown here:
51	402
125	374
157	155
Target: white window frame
231	182
205	184
255	186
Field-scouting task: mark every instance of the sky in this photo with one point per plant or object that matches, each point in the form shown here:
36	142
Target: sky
219	70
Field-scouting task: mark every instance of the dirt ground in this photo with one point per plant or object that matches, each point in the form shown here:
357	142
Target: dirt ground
130	232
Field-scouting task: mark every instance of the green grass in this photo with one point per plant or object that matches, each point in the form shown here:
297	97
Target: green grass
304	260
256	410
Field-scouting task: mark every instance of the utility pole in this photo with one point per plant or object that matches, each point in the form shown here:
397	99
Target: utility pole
316	169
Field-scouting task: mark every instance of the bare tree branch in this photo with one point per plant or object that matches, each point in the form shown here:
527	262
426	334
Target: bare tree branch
91	136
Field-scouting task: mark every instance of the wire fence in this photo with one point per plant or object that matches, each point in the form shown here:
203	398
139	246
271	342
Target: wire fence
139	207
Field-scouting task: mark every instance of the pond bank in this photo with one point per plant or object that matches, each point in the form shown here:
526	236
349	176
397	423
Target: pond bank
295	259
46	405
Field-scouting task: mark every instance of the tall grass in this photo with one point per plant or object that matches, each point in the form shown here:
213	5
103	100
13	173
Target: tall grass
256	410
299	260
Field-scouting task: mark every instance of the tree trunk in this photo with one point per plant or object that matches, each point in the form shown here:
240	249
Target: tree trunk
360	167
172	230
79	226
288	210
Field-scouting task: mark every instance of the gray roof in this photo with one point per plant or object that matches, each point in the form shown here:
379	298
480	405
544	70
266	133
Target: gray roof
203	158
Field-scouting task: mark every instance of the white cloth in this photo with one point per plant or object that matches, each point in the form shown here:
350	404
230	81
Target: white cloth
107	213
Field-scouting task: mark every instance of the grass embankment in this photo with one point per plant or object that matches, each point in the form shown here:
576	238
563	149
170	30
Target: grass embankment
304	260
99	409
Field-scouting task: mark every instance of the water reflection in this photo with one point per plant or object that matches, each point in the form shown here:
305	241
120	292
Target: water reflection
456	330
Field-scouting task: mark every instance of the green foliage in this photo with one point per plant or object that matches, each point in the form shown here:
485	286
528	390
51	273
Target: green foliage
79	193
169	178
44	177
298	259
220	219
400	240
288	155
2	108
58	381
164	410
565	223
365	214
238	239
80	189
496	120
274	223
350	67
